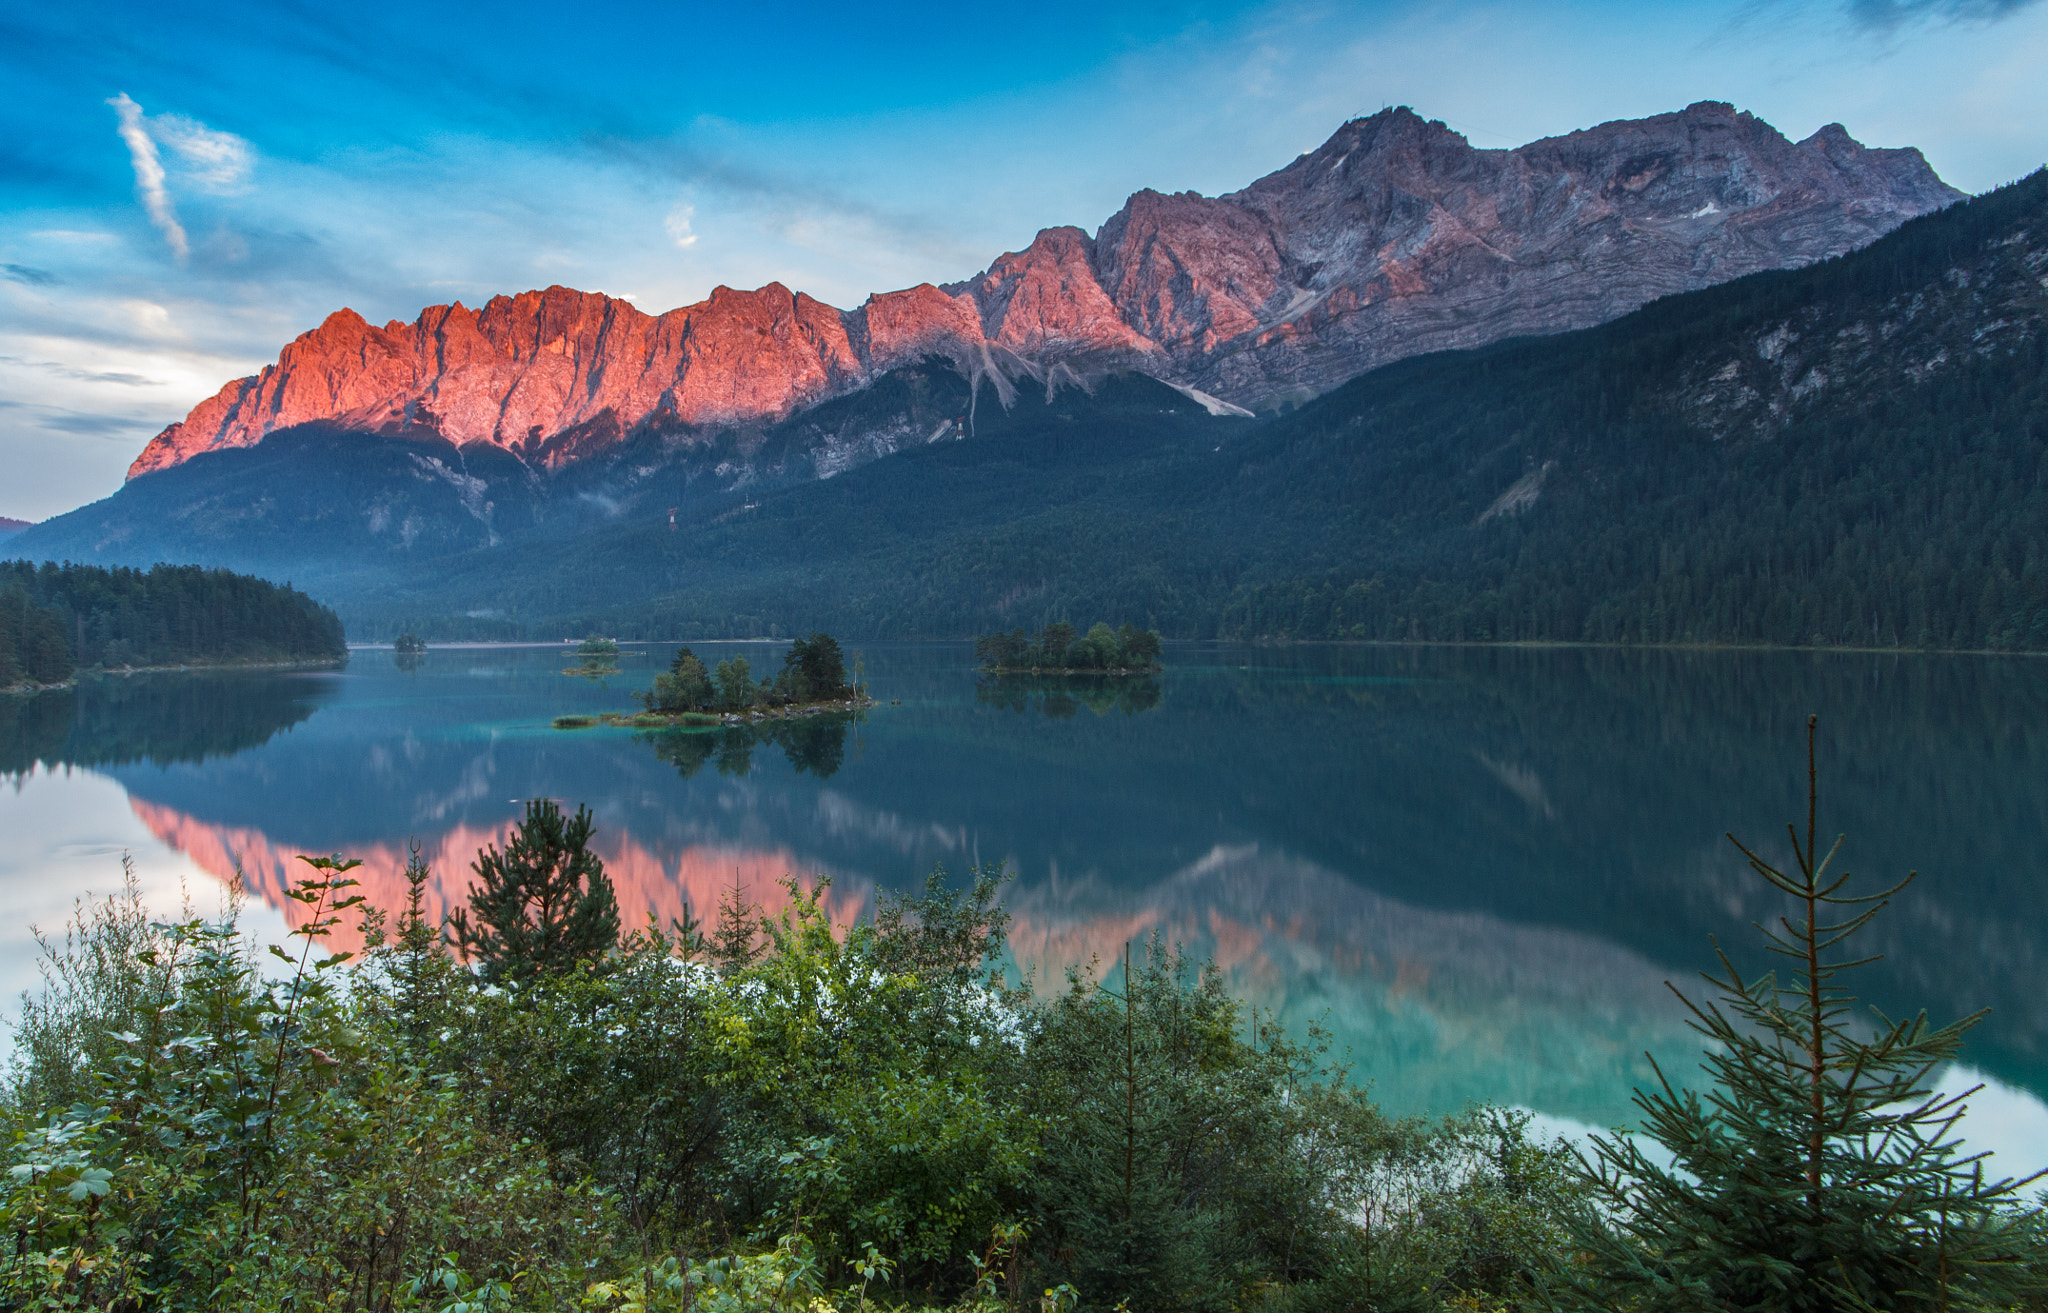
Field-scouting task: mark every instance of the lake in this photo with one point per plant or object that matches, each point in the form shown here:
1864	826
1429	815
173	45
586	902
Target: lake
1474	868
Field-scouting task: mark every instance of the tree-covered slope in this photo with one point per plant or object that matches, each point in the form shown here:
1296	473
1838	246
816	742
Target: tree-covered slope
1846	454
1849	453
57	618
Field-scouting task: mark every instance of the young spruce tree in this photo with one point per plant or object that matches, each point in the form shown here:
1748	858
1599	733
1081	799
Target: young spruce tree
543	905
1821	1170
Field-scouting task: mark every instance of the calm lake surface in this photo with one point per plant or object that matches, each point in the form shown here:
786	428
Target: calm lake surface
1474	868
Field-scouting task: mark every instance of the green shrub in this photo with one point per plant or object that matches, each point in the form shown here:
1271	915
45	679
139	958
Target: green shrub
542	906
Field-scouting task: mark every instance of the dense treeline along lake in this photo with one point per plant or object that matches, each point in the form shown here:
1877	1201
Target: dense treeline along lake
1475	867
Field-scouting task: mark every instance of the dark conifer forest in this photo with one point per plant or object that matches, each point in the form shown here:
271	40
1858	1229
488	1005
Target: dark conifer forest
57	619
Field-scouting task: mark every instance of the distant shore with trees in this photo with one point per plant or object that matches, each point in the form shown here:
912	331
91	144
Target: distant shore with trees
57	621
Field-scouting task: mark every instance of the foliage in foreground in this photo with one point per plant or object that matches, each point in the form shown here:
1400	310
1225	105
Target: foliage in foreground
785	1114
1821	1169
782	1115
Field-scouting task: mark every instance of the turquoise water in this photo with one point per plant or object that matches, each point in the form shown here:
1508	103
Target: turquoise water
1474	868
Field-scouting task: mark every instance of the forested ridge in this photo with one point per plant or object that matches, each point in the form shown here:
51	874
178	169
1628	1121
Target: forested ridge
1849	454
57	619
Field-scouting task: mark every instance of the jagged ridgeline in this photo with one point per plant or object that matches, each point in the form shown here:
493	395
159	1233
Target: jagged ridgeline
1845	454
1849	454
57	619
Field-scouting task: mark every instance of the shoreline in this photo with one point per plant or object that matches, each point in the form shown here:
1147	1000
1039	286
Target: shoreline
710	719
122	672
1269	641
1825	648
1071	672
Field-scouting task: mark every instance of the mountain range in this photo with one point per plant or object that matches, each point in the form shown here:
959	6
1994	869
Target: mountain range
1395	238
1844	447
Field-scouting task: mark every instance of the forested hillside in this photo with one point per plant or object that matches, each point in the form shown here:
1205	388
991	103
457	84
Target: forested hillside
1847	454
55	619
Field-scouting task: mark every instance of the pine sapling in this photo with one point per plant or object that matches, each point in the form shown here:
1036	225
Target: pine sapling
1820	1169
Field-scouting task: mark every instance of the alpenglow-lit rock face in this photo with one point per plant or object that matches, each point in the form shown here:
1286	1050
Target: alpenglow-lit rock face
1396	237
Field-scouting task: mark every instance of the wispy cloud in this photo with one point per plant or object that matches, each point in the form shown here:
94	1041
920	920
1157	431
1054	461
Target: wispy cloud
219	162
214	161
21	273
678	226
119	427
149	175
83	375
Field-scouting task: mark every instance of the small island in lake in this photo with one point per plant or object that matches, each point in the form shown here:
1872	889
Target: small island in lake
408	651
598	658
813	681
1127	650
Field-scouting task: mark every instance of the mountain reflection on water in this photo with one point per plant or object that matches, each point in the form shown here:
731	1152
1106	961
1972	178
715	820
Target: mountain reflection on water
1475	867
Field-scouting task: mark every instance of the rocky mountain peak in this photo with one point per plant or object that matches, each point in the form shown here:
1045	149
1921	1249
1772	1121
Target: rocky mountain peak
1394	237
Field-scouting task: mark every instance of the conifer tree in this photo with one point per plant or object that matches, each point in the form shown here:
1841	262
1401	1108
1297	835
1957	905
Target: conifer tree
735	944
542	906
1821	1170
420	968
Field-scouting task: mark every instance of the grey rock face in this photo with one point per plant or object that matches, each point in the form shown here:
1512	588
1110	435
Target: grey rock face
1397	237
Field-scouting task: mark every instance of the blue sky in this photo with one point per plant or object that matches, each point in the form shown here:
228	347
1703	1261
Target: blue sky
184	188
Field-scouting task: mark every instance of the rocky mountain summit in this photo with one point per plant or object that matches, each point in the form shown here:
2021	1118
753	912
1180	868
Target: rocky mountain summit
1395	238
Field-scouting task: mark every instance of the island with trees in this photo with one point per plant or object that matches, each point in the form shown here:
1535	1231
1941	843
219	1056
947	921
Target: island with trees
59	620
597	658
1060	649
813	681
409	651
